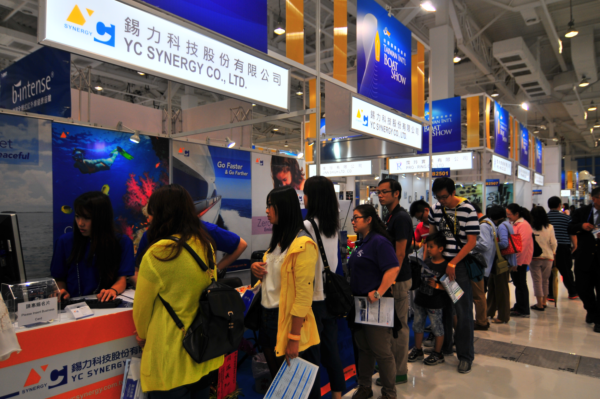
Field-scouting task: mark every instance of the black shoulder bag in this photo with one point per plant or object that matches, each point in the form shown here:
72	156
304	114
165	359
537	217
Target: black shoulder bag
339	299
415	267
218	327
475	264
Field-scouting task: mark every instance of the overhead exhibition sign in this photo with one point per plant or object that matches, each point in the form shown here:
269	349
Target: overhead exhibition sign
339	169
501	165
384	57
524	152
501	133
460	161
378	122
523	173
538	155
538	180
446	126
124	35
39	83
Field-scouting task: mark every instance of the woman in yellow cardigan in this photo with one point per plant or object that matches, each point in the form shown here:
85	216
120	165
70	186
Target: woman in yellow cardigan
288	327
168	270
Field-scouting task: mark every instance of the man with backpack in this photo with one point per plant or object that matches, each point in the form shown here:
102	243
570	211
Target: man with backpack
486	246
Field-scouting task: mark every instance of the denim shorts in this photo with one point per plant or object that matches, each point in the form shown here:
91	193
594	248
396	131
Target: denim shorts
435	316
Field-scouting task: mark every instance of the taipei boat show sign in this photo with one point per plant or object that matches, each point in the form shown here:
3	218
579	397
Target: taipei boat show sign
501	122
524	151
122	34
383	57
446	126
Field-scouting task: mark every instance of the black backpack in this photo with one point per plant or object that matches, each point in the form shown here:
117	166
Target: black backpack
218	327
339	299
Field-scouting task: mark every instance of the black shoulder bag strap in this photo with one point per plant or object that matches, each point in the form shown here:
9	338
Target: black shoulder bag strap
320	243
204	268
451	226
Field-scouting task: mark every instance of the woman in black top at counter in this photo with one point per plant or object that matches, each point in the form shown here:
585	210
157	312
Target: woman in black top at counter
92	259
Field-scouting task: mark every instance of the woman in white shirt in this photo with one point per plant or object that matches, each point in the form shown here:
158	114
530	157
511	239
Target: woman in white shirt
322	206
541	266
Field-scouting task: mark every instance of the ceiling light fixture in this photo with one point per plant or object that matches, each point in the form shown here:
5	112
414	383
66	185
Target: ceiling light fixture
525	106
427	6
276	129
560	46
299	90
495	92
585	82
141	73
571	32
376	177
457	57
135	138
536	131
279	29
300	155
230	143
592	106
286	145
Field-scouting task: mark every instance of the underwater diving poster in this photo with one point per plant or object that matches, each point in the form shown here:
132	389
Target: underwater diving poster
89	159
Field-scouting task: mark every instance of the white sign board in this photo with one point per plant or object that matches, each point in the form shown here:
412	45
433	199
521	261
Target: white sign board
458	161
538	180
376	121
523	173
565	193
120	34
38	311
359	168
501	165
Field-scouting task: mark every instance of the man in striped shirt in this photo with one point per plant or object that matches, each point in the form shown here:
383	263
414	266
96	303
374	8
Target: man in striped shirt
464	223
563	260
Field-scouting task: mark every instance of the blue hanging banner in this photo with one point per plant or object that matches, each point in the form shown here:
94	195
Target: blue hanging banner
383	57
524	156
39	83
538	155
446	126
501	122
241	20
440	172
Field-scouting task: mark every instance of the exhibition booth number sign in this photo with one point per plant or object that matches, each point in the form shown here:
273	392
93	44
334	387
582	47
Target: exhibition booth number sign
338	169
440	172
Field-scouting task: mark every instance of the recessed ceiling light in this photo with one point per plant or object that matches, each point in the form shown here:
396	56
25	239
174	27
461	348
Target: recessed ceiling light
427	6
141	73
592	106
276	129
585	82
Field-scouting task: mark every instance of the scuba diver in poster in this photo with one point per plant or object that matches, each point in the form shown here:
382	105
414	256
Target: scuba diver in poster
89	166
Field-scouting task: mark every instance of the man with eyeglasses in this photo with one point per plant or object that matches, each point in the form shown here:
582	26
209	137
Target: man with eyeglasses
455	216
400	228
585	223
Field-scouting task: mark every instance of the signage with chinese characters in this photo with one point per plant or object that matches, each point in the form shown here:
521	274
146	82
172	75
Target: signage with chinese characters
359	168
501	122
227	376
458	161
121	34
446	126
538	179
38	311
376	121
440	172
523	173
565	193
501	165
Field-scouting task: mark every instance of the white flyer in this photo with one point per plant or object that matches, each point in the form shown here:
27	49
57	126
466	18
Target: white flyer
293	381
380	313
452	288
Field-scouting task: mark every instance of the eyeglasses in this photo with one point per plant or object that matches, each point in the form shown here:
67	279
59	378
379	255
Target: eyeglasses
442	197
378	192
357	217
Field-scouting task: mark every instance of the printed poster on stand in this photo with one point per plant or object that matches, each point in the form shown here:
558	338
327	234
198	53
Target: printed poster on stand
498	193
446	126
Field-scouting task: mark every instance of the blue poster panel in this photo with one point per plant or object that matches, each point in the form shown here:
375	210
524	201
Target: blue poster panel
241	20
538	156
39	83
384	57
446	126
524	147
501	133
87	159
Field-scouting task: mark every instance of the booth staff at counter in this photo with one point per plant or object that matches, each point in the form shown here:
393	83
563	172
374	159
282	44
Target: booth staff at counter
92	259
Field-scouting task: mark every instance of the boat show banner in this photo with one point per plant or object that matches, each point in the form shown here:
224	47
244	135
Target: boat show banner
220	183
383	57
446	126
89	159
524	153
501	132
538	155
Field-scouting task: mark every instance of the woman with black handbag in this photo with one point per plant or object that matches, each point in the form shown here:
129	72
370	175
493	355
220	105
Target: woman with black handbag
322	208
288	328
170	271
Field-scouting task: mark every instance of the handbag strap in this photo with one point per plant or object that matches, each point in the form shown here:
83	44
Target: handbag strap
451	226
320	243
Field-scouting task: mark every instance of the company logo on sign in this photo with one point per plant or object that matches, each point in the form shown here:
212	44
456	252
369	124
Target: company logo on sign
106	34
362	117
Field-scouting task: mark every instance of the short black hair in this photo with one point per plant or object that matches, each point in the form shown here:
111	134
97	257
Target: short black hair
394	186
477	208
438	238
418	207
554	202
443	183
496	212
595	191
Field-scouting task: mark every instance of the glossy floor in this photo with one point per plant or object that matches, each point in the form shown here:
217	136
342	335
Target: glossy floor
560	329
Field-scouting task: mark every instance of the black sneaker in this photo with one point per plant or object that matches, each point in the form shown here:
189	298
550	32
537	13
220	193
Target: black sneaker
464	367
415	354
434	359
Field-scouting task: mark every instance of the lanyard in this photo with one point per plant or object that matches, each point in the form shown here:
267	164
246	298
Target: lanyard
591	216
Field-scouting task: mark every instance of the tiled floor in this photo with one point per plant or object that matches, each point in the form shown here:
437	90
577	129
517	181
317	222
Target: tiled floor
562	329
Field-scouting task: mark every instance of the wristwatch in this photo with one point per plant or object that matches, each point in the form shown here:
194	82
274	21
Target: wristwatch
377	295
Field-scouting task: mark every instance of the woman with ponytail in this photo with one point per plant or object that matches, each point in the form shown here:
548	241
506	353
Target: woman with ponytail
373	269
521	221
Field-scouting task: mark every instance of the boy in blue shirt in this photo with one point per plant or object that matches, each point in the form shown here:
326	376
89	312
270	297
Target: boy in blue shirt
429	301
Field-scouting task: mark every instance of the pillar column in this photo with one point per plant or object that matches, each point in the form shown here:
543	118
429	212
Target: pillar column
441	85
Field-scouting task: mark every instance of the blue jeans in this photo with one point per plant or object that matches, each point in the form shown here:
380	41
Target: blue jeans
180	393
463	337
329	351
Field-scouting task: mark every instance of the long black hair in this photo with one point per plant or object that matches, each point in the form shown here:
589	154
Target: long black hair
173	212
376	225
322	204
523	212
289	217
103	241
539	218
